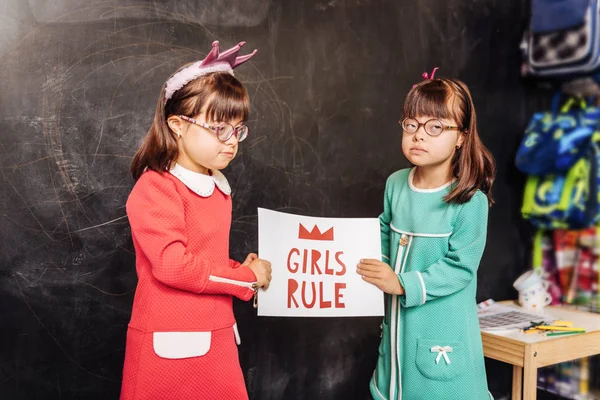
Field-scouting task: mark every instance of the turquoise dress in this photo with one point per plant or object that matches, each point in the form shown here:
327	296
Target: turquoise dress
431	343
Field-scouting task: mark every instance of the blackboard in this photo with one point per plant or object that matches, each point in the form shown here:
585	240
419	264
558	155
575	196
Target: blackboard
78	84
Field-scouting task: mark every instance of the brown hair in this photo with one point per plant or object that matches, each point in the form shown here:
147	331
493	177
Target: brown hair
225	99
472	164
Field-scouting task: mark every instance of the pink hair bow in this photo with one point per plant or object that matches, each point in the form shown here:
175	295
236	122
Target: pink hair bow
426	75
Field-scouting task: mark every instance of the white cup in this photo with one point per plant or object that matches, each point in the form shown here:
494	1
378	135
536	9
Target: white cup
528	279
533	290
535	297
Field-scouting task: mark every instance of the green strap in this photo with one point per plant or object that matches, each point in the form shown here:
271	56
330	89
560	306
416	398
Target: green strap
569	103
537	249
578	170
529	195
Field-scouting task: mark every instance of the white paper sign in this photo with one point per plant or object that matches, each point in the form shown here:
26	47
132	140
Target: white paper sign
314	265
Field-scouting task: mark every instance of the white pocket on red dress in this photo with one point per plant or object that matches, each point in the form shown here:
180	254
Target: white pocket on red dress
176	345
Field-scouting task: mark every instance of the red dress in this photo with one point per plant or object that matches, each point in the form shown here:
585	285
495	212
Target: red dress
181	340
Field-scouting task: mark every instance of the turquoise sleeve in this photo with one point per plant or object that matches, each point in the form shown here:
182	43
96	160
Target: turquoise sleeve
459	267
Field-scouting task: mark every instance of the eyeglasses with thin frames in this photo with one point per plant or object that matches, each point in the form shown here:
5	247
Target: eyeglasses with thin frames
223	130
433	127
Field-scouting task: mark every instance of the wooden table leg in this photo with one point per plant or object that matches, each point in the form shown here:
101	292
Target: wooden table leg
529	373
517	383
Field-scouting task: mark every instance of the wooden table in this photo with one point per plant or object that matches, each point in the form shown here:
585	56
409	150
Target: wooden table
528	352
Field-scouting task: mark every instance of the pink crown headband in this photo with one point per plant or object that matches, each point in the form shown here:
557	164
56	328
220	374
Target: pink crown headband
426	75
215	61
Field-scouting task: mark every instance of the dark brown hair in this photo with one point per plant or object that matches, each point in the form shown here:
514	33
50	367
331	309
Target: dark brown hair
472	164
225	99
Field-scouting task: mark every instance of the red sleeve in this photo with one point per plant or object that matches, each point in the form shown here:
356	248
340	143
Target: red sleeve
156	215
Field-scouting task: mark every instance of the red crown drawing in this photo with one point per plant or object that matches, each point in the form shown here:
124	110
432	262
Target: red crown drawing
315	234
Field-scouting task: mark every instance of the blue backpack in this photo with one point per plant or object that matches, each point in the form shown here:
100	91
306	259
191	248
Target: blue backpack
566	201
555	140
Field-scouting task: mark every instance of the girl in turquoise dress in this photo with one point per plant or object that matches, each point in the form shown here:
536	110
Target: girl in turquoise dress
433	229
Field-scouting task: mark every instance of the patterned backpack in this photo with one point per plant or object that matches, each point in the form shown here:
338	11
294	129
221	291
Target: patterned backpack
565	201
554	140
563	39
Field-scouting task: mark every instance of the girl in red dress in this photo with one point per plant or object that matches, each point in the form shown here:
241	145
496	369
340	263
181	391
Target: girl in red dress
181	340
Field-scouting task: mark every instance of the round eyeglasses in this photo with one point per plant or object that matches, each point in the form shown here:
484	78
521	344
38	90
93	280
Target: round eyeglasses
223	130
433	127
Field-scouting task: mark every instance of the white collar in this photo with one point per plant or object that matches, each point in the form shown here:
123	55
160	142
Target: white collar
203	185
411	175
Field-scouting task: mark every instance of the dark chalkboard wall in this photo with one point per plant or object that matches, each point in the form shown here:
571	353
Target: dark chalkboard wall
78	84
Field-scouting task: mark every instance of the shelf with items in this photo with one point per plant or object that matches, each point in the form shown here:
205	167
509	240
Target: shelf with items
561	160
570	380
